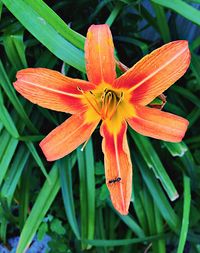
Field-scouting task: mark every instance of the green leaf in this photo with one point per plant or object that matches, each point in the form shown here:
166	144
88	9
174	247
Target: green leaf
24	194
13	176
57	227
187	94
162	22
157	194
153	162
1	7
43	229
7	153
6	119
57	23
142	45
37	158
176	149
182	8
87	191
130	222
160	244
138	199
15	49
186	214
121	242
36	18
65	171
41	206
10	92
195	66
113	15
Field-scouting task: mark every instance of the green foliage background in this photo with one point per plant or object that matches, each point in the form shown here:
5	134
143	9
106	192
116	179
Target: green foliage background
68	199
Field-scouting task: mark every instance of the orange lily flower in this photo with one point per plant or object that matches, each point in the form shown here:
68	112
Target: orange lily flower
114	101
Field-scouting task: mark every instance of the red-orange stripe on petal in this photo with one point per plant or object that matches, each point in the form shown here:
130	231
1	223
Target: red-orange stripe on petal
52	90
157	124
117	165
99	54
156	72
67	137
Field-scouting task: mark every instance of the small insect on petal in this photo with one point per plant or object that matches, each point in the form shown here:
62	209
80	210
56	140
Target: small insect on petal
115	180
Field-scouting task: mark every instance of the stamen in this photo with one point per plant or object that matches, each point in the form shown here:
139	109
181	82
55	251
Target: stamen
108	102
85	95
119	101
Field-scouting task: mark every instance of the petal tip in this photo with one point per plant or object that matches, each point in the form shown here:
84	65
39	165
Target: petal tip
123	212
121	209
47	155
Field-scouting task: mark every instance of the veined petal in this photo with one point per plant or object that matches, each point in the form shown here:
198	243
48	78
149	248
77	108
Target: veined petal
117	165
156	72
52	90
157	124
67	137
99	54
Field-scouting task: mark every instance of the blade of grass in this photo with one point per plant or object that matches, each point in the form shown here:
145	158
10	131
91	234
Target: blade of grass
57	23
176	149
98	8
100	230
13	175
182	8
153	162
42	204
121	242
187	94
113	15
24	196
1	7
37	23
162	22
137	200
6	119
186	214
9	90
87	191
193	116
150	19
32	138
6	157
142	45
161	244
195	66
65	171
159	197
37	158
15	49
130	222
195	43
153	221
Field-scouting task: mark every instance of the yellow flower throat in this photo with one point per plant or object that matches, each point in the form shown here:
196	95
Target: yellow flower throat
109	104
105	103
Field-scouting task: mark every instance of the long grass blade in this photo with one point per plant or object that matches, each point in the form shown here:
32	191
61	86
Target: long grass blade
186	214
42	204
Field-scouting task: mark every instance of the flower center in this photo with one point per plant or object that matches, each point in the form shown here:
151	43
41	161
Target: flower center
109	102
105	102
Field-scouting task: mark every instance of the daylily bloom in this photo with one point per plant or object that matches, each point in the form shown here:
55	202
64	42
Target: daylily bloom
114	101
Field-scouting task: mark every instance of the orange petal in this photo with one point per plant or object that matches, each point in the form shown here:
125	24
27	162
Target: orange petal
67	137
99	54
51	89
157	124
156	72
117	165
